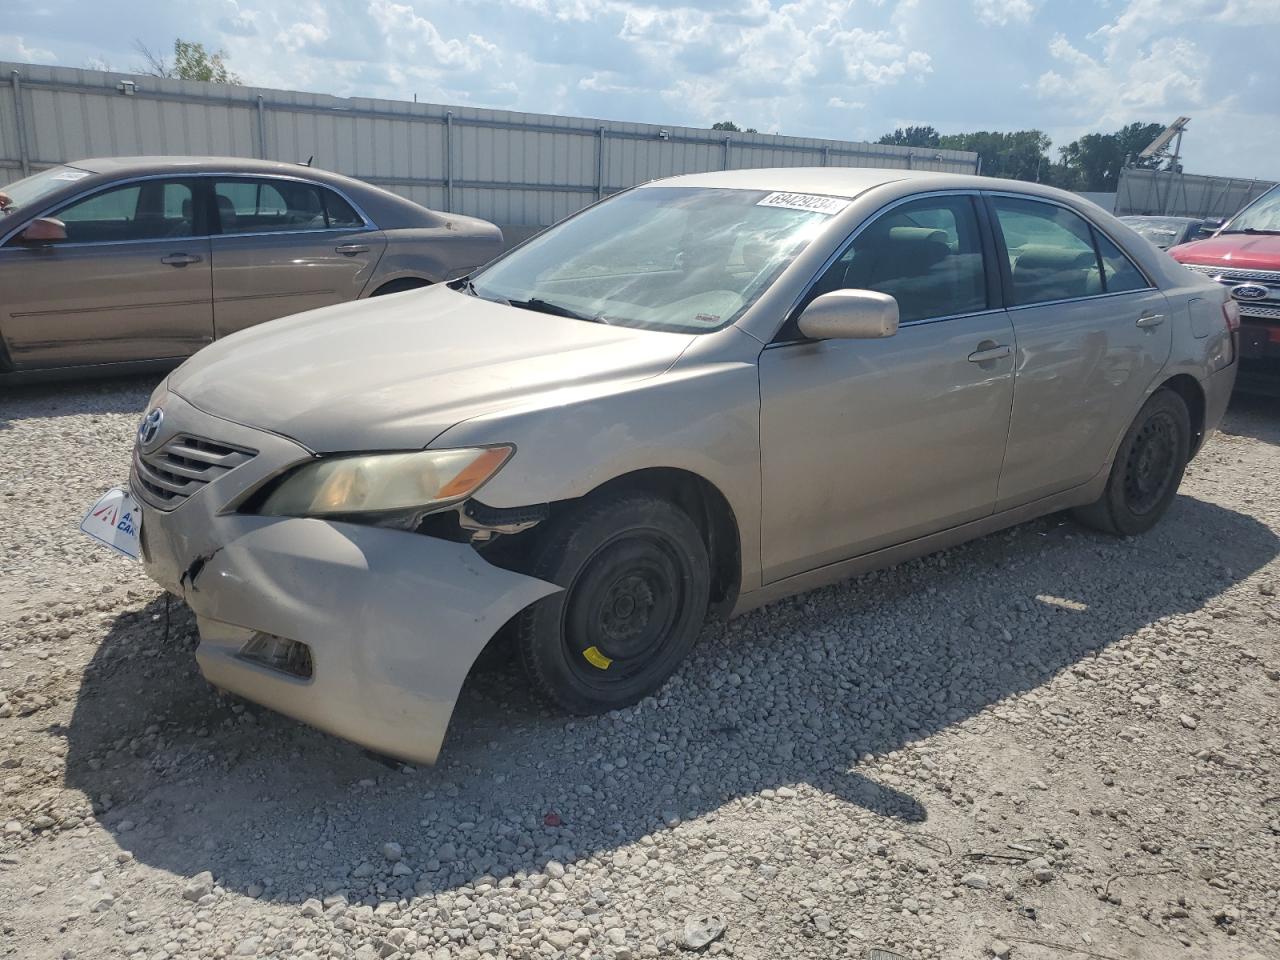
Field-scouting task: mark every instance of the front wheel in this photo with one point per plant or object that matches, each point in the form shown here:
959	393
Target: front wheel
1147	470
636	580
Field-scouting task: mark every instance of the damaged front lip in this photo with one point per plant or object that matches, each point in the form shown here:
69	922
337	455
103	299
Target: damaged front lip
394	622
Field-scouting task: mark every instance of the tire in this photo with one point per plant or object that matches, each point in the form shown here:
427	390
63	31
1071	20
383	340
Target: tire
400	286
636	580
1147	470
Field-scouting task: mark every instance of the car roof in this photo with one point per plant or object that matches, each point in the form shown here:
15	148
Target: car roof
851	181
135	166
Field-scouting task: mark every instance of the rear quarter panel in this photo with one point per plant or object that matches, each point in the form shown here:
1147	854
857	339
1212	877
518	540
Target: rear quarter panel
435	253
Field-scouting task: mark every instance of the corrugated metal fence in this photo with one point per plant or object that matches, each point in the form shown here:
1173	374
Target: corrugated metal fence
1184	194
512	168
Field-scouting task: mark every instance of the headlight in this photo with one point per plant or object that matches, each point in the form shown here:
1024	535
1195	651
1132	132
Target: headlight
383	482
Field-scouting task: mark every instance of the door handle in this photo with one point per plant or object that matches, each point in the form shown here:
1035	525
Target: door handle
998	352
1151	319
351	249
180	259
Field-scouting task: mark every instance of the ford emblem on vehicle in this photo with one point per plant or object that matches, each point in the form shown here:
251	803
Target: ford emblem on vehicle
1250	291
150	426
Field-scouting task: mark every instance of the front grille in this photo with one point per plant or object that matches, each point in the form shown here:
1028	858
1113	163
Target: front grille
1267	277
170	474
1258	312
1267	308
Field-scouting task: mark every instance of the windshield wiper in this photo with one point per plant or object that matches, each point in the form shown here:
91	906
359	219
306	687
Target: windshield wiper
1256	231
465	285
555	309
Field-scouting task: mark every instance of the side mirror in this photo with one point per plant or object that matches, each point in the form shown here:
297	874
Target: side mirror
44	230
850	315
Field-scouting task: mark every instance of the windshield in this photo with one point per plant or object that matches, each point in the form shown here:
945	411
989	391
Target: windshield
1262	216
1162	233
682	259
29	190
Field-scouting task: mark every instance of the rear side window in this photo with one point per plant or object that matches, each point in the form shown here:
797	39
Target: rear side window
268	206
1051	252
1055	254
339	212
927	254
1119	274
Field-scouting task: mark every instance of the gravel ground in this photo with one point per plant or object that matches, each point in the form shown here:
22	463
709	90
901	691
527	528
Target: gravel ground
1043	744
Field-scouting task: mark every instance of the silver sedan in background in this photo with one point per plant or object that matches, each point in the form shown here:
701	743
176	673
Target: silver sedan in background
116	264
690	399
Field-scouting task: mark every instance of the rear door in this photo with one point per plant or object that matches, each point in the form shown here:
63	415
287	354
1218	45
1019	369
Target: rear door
1092	334
285	245
130	282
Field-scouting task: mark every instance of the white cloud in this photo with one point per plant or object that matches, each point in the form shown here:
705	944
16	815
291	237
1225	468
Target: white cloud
1003	12
15	48
408	35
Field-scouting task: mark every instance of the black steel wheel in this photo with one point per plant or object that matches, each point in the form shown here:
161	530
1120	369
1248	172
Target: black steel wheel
1147	470
636	584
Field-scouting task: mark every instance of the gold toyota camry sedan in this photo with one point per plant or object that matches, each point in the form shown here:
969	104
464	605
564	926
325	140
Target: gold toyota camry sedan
131	263
685	401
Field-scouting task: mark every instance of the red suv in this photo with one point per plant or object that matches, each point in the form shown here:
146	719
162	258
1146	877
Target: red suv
1245	256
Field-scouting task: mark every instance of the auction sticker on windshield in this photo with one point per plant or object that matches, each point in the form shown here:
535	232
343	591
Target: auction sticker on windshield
812	202
116	520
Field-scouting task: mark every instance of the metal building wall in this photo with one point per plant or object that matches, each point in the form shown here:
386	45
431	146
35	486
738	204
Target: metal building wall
516	169
1184	194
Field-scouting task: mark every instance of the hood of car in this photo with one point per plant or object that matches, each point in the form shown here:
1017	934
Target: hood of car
394	372
1232	251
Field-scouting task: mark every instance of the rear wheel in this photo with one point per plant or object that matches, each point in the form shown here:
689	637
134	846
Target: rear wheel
1147	470
636	580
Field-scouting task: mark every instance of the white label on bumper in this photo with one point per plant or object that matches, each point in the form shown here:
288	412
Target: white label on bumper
116	520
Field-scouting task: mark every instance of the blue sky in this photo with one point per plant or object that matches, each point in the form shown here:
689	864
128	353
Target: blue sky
836	68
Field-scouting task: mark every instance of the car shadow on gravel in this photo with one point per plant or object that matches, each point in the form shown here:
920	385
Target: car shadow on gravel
32	401
1255	415
795	695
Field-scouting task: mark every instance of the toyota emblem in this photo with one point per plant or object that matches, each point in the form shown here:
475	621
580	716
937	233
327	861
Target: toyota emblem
1250	291
150	426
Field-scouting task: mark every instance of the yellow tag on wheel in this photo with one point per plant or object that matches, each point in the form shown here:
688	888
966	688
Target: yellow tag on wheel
596	658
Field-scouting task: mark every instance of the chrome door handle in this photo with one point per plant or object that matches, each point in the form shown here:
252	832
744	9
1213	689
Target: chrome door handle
351	249
1151	320
180	259
990	353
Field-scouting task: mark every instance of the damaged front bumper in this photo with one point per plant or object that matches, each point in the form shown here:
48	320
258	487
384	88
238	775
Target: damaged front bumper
391	621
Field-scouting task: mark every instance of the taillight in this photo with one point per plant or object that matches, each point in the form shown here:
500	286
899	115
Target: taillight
1231	314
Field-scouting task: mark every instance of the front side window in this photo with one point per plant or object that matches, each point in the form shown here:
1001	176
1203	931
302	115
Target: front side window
149	210
926	254
1051	252
268	206
682	259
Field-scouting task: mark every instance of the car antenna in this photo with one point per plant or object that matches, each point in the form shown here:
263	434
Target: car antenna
309	159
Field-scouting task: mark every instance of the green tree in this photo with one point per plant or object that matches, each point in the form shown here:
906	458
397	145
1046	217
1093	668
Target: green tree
191	61
1093	162
1016	155
912	137
732	127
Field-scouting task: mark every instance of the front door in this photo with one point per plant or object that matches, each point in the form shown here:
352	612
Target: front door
286	246
130	282
869	443
1092	334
